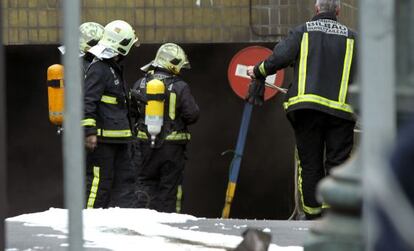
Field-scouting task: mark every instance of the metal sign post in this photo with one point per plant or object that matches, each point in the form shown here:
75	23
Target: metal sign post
73	148
3	163
239	81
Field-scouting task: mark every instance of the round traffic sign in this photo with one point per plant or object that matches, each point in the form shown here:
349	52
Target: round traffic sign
237	71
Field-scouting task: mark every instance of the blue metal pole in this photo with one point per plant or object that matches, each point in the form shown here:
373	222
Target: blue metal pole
235	163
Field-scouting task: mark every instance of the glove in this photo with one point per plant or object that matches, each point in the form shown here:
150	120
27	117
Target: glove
139	97
255	95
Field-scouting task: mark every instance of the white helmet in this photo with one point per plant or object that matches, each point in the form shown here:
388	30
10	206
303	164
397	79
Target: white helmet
171	57
118	36
90	34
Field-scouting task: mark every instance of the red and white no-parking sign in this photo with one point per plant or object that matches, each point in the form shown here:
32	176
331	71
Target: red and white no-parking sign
237	72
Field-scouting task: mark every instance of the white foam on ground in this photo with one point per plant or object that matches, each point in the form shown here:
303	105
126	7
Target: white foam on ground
133	229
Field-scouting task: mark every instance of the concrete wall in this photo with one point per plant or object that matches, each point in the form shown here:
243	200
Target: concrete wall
157	21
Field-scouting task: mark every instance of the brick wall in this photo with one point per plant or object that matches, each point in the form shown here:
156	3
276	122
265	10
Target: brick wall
156	21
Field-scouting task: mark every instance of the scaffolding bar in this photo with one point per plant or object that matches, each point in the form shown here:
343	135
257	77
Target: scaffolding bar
73	149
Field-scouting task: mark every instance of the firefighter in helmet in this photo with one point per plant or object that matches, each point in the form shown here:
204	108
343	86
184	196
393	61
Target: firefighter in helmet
90	33
161	124
110	175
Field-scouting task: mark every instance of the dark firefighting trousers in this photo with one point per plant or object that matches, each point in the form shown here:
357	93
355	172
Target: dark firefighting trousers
323	141
159	175
110	177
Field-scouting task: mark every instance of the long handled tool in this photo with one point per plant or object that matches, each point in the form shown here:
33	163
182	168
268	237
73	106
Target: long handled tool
235	163
275	87
238	78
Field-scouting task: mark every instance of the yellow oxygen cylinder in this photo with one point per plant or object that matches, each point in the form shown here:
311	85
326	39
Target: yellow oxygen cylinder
154	110
55	91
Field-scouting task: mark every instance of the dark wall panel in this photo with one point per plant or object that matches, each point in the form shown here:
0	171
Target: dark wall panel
265	187
34	149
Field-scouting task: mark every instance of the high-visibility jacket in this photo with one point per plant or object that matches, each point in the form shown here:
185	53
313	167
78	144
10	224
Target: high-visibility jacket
323	53
105	102
180	109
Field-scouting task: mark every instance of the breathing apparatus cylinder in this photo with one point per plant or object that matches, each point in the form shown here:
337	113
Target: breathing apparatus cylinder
55	90
154	110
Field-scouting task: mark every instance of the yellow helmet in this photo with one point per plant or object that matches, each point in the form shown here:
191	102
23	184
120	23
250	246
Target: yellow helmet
119	36
171	57
90	34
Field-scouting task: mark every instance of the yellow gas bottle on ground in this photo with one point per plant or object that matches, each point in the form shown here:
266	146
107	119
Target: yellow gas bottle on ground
154	110
55	93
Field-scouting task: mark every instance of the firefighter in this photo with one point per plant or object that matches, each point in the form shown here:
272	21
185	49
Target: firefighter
323	54
162	130
110	175
90	33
